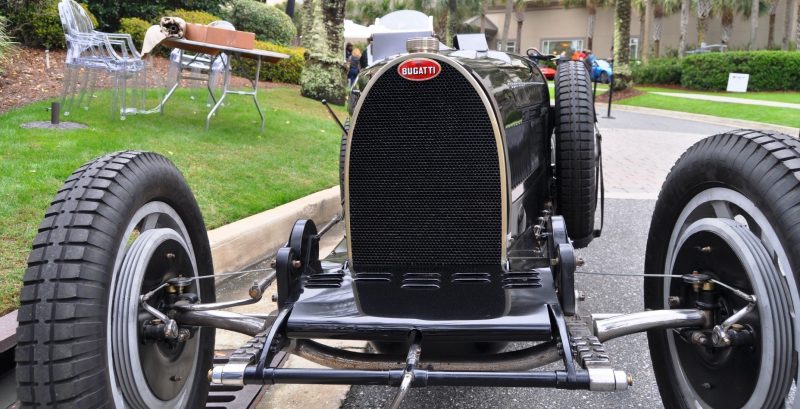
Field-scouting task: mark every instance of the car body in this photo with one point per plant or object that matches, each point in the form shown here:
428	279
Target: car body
602	71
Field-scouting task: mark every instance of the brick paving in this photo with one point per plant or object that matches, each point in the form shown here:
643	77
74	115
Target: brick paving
640	149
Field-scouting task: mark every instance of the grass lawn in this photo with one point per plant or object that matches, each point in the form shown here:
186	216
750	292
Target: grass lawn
790	97
779	116
233	170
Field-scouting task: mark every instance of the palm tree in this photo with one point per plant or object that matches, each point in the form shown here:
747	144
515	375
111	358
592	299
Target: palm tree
483	16
519	14
726	10
324	72
640	7
622	37
685	5
661	8
753	24
787	24
703	8
506	23
773	10
644	41
452	21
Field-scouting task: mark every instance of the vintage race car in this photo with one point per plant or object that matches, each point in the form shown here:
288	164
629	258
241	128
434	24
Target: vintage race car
465	193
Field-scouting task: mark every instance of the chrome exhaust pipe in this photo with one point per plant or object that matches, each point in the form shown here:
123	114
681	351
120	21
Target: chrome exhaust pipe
626	324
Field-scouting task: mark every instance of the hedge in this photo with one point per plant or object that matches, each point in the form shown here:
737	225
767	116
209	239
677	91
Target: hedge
36	23
110	12
193	16
287	71
658	71
136	27
269	23
769	70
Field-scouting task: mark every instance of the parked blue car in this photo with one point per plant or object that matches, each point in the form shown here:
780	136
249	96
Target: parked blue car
601	71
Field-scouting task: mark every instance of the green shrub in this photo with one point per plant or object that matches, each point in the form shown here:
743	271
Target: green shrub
658	71
193	16
109	12
136	27
36	23
769	70
288	70
268	22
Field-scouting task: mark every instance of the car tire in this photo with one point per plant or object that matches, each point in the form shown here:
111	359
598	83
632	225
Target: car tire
603	78
70	301
748	181
575	151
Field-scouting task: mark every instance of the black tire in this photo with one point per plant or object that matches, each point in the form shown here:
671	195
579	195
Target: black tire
575	151
62	351
603	78
753	179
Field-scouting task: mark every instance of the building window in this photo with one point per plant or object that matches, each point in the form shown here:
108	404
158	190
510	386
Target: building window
511	46
562	46
634	44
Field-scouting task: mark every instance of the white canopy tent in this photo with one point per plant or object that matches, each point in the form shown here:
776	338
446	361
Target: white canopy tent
355	33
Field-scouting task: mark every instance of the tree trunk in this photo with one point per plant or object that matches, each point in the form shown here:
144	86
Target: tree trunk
590	28
787	25
771	32
518	43
703	11
483	16
622	44
642	16
324	74
290	8
797	27
644	42
657	30
684	27
753	25
507	24
452	21
727	24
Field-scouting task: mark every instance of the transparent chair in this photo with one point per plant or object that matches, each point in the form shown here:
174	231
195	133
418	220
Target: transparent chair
89	53
203	67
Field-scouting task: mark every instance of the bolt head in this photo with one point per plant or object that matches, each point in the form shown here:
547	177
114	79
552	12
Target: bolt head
297	263
273	263
674	301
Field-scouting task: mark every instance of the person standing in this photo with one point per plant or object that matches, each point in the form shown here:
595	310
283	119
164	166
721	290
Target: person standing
355	66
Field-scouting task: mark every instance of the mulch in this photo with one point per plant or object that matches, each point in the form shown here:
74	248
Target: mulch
618	95
25	77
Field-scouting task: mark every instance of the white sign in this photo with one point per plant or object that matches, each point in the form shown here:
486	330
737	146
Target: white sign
737	82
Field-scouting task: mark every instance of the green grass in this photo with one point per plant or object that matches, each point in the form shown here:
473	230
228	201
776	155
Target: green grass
233	170
789	97
779	116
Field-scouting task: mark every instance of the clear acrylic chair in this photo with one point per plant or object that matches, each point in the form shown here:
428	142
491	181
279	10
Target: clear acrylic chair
90	52
203	67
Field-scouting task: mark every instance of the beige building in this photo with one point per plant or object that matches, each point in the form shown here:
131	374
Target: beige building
554	29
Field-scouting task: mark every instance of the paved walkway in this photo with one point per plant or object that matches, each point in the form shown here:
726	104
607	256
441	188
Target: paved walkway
732	100
640	149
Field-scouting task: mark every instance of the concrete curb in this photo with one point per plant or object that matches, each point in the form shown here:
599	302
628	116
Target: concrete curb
716	120
247	241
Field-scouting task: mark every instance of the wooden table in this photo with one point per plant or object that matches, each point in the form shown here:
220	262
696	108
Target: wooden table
215	51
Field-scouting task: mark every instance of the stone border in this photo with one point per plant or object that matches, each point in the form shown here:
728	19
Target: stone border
247	241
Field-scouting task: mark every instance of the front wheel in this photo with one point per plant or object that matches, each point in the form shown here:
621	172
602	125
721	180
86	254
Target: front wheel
729	208
119	227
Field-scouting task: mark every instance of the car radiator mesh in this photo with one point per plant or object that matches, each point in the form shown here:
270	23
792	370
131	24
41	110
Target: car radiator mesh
424	178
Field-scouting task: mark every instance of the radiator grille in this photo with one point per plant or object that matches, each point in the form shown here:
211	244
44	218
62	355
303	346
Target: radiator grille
424	177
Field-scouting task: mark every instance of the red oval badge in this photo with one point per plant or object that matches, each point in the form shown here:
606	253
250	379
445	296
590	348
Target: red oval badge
419	69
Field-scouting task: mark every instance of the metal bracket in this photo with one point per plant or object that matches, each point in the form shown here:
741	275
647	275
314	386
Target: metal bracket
412	358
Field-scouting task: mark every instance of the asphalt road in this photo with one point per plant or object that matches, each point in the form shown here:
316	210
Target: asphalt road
639	149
